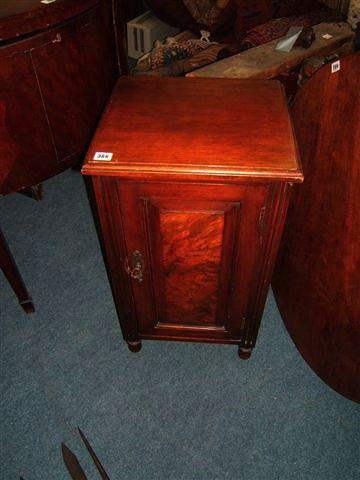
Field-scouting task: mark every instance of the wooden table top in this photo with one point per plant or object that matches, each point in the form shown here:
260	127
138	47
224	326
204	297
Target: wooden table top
198	127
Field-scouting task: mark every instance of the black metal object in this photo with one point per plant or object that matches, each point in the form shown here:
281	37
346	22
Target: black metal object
73	464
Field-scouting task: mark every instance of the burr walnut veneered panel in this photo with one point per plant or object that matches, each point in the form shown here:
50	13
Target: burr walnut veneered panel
187	242
191	244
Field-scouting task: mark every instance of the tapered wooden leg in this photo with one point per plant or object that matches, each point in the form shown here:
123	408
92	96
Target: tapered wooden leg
134	346
244	353
11	272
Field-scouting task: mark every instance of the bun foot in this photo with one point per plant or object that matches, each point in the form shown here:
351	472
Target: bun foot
134	346
244	353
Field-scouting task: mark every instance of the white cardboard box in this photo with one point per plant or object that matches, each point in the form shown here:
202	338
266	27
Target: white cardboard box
142	32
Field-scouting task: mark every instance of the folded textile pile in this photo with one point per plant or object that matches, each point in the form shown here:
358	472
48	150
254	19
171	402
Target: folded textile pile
311	65
170	50
232	25
354	14
180	55
277	28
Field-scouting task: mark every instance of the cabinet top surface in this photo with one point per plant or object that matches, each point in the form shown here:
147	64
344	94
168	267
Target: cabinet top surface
24	17
196	126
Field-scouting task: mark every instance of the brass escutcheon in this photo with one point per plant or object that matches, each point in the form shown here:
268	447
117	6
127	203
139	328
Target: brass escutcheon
136	270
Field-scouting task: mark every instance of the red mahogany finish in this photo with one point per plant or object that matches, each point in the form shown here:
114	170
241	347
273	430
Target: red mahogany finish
317	278
192	204
11	272
191	242
22	17
196	126
57	68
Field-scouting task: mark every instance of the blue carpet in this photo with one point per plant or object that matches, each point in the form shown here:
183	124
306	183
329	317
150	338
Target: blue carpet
176	411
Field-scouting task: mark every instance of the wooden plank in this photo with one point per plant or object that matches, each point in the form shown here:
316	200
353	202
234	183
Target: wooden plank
264	62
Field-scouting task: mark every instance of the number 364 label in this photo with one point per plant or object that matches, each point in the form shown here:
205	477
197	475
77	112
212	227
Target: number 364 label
103	156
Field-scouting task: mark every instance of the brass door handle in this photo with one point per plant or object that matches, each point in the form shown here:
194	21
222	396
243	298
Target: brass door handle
136	267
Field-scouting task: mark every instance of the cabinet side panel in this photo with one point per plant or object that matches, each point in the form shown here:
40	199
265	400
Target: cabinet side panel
114	250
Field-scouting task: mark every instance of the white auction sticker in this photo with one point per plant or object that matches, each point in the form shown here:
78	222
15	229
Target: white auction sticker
335	66
103	156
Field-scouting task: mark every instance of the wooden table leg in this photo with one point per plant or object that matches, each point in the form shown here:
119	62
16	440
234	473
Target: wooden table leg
11	272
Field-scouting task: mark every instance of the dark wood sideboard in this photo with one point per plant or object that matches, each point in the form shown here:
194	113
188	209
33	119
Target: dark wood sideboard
192	180
58	65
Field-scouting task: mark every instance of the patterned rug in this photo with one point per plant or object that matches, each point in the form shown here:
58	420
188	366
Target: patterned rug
277	28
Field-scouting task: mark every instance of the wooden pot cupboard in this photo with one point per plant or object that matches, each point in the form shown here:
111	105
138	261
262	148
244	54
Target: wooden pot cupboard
192	179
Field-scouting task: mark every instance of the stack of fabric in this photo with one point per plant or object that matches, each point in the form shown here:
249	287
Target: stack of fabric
215	29
354	14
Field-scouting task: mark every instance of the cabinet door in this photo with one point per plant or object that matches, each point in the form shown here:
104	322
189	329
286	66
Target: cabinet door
27	154
198	249
76	70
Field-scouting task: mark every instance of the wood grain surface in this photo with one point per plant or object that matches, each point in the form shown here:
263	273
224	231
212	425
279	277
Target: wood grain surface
264	62
53	86
198	185
196	126
191	244
317	278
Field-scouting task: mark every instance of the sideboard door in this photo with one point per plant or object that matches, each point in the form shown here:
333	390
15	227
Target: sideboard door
77	61
192	252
